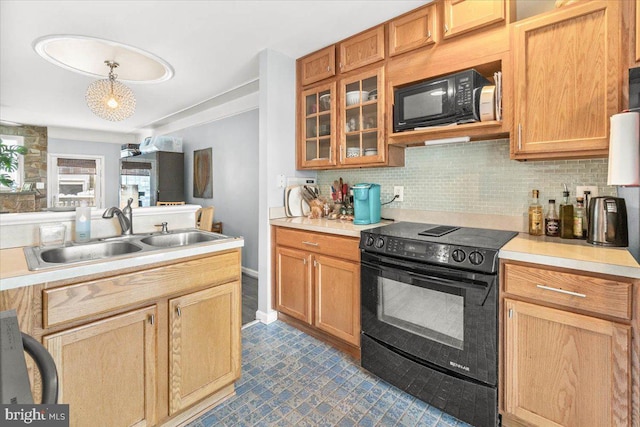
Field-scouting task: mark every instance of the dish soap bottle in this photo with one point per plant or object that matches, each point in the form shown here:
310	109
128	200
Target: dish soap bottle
566	216
551	226
579	219
535	215
83	223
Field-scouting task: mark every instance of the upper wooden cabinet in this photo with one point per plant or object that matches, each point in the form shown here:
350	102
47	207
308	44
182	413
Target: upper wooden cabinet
567	81
412	31
637	30
461	16
363	49
317	120
318	66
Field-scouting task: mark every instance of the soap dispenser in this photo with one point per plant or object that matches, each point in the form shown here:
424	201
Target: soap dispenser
83	223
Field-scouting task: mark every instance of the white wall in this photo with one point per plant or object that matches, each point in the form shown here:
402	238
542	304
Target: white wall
234	144
277	156
109	150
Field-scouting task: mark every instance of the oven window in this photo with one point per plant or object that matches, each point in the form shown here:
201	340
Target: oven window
432	314
425	104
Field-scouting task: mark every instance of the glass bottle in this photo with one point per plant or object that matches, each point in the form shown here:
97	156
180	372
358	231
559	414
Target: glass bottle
579	219
535	215
566	216
551	222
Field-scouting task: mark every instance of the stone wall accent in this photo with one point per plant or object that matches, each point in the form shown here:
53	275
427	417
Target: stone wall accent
18	202
35	161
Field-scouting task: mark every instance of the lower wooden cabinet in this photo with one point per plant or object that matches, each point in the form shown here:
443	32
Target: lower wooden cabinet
107	369
318	282
565	369
567	357
204	343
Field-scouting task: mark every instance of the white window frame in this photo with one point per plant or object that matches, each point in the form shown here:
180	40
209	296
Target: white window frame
52	176
18	175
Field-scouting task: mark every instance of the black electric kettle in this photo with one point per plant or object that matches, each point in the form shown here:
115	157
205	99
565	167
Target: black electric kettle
608	222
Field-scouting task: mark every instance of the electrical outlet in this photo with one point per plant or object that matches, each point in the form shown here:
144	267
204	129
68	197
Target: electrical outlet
398	190
580	189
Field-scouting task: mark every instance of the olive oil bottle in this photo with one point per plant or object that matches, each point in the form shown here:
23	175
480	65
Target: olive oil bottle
566	216
535	215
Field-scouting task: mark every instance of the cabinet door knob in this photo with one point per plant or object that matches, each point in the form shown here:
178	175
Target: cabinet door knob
446	29
315	263
328	69
428	34
152	319
519	136
178	311
510	313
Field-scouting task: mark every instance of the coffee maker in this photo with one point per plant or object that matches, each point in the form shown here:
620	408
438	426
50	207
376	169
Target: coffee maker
366	204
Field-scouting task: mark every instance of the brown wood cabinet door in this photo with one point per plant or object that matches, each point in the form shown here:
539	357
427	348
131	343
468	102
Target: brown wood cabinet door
362	126
565	369
566	68
413	31
293	283
363	49
317	126
318	66
461	16
204	343
107	370
337	289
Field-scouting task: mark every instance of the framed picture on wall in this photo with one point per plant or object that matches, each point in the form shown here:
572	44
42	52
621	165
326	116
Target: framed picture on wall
28	186
203	173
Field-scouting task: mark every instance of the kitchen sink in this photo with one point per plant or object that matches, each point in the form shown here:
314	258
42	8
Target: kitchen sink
40	258
180	239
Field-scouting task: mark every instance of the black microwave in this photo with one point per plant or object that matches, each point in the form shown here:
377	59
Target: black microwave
446	100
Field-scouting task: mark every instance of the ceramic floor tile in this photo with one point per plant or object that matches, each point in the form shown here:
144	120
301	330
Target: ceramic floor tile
290	379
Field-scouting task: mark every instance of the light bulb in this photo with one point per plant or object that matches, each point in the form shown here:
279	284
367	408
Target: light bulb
112	103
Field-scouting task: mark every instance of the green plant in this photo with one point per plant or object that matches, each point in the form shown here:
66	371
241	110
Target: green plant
9	161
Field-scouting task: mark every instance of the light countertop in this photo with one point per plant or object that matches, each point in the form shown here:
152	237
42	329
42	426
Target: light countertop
322	225
574	254
14	272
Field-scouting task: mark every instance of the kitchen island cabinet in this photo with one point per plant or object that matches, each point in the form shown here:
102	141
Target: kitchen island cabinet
317	285
148	345
567	355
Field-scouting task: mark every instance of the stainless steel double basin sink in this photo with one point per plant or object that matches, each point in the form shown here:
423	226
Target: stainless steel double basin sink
39	258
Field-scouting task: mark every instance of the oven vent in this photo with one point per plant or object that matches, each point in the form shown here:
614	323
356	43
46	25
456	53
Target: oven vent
438	231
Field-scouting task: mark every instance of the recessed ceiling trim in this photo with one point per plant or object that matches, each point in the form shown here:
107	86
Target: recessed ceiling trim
86	55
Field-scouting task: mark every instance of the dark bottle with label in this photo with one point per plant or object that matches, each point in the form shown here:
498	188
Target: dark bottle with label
551	222
566	216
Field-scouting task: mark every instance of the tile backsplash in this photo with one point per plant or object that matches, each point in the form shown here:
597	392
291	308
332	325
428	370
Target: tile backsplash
475	177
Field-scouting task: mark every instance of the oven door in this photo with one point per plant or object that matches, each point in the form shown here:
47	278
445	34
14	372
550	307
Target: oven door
441	317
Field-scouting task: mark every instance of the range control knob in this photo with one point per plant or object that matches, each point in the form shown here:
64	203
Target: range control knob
476	258
458	255
369	241
379	242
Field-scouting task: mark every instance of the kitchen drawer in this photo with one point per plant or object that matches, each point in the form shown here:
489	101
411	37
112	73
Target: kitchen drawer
81	300
598	295
326	244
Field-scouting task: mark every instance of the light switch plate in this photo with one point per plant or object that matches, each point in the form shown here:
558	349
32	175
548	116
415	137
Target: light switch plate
580	189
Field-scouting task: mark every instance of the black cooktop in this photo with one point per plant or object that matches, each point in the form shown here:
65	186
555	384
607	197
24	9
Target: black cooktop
448	235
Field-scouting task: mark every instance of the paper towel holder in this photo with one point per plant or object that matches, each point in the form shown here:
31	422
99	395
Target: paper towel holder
624	150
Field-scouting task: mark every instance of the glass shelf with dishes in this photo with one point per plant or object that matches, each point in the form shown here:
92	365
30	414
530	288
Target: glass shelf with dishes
362	128
317	128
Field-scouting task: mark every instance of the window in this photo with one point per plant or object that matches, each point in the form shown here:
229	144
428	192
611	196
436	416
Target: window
18	175
74	179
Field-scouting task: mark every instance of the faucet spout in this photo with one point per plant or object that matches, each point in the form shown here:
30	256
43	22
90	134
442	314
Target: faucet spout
125	217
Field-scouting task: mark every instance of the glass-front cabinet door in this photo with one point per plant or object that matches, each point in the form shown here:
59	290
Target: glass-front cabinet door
318	127
362	118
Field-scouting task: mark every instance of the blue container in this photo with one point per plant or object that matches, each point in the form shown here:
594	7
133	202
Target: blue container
366	204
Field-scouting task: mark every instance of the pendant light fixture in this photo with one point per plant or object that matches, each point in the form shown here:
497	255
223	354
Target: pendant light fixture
109	99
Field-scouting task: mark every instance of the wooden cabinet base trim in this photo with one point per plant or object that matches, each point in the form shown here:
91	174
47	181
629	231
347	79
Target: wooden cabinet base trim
189	415
351	350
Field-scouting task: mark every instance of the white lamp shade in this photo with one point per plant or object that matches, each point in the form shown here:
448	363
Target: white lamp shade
624	150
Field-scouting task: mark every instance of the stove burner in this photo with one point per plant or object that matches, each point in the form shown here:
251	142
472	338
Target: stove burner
438	231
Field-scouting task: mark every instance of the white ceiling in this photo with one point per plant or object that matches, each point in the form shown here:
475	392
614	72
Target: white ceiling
212	46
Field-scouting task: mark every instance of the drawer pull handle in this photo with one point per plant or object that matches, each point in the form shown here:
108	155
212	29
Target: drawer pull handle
311	243
562	291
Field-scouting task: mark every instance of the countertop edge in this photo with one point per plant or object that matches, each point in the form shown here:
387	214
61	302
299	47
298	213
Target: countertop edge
42	276
337	227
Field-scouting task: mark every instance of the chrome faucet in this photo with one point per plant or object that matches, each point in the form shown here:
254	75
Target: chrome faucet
125	217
